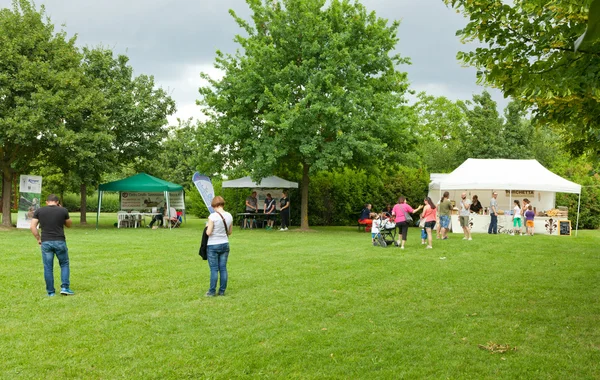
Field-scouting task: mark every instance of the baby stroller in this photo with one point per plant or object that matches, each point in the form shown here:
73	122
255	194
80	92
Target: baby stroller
387	232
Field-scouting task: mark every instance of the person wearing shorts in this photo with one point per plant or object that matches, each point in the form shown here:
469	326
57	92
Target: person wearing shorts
429	215
465	206
529	216
444	211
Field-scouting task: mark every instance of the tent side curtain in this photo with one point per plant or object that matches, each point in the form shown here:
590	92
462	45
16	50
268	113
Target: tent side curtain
504	174
141	183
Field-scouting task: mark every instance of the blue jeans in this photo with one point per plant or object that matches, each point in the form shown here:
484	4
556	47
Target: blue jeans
217	262
58	248
493	228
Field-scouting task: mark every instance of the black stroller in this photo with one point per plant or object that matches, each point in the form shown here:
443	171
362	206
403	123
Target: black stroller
387	231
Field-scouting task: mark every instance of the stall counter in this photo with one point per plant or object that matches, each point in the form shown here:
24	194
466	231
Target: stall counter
480	223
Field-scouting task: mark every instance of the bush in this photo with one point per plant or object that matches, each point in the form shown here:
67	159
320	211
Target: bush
110	202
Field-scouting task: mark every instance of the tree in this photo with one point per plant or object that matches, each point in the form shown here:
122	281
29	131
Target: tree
315	88
483	138
39	75
440	125
528	53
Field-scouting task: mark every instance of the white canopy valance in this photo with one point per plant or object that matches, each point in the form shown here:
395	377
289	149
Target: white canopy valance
503	174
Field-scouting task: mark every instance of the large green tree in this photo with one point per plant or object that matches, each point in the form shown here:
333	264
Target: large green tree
314	87
39	76
528	53
440	125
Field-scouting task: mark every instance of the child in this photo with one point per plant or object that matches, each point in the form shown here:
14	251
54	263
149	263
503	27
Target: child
375	226
517	218
529	215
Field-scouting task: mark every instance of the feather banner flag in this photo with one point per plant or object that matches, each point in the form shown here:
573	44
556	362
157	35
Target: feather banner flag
205	188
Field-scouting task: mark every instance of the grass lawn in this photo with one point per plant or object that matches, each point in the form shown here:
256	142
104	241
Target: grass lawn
323	304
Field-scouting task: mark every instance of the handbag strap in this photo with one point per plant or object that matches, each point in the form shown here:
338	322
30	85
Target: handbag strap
224	223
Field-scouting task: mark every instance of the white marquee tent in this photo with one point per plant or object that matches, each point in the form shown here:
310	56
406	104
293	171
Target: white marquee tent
503	174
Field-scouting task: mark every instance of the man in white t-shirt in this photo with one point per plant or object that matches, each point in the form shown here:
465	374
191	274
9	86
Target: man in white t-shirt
465	205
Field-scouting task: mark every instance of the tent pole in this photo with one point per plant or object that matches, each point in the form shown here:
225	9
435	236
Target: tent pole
578	206
99	206
510	203
168	208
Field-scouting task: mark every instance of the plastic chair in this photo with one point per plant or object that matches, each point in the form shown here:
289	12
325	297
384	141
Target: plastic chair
123	219
136	219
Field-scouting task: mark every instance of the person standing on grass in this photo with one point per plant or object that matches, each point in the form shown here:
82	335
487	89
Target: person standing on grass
269	209
529	216
516	219
251	208
493	228
429	215
444	210
284	211
399	212
465	206
219	227
52	219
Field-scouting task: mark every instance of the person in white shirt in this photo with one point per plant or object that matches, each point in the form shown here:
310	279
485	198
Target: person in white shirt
517	218
219	227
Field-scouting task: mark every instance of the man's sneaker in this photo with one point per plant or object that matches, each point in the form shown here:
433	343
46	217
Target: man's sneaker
51	294
66	292
470	239
282	229
210	294
285	229
428	247
221	293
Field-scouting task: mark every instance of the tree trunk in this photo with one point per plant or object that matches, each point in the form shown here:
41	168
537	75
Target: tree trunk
83	217
304	206
6	196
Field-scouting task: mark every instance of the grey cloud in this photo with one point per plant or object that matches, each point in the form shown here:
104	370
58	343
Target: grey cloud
164	38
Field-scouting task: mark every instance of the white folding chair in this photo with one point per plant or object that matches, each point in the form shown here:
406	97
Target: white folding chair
122	219
136	219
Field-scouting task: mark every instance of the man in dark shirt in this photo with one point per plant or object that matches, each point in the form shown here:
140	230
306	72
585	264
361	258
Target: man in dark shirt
251	207
269	209
52	219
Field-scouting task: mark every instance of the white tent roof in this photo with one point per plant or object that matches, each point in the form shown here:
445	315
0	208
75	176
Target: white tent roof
272	182
503	174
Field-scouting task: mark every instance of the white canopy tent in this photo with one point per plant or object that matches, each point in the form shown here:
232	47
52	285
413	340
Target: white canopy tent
272	182
268	182
504	174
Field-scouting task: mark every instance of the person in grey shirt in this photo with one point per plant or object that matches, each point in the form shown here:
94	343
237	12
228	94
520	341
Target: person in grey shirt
493	228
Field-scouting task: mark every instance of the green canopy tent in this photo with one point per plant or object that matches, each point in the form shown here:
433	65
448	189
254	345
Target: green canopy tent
141	183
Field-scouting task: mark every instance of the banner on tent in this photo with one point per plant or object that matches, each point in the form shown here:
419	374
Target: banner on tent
30	192
145	201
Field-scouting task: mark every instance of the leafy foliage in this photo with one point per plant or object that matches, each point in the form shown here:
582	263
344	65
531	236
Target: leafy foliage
528	54
39	77
313	87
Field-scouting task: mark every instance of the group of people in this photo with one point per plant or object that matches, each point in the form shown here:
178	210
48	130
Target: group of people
437	218
269	211
522	216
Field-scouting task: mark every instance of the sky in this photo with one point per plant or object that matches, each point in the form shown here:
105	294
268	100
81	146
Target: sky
176	40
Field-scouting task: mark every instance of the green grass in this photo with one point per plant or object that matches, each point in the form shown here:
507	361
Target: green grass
323	304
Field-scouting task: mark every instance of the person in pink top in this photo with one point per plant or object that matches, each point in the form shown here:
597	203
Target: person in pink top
398	211
429	215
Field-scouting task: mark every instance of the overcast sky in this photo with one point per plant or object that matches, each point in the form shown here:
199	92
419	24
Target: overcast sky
176	40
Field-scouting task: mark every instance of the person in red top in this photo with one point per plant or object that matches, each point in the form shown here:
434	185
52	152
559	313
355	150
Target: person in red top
429	215
398	211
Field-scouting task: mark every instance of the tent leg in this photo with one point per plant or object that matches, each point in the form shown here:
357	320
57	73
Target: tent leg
99	206
578	207
168	208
